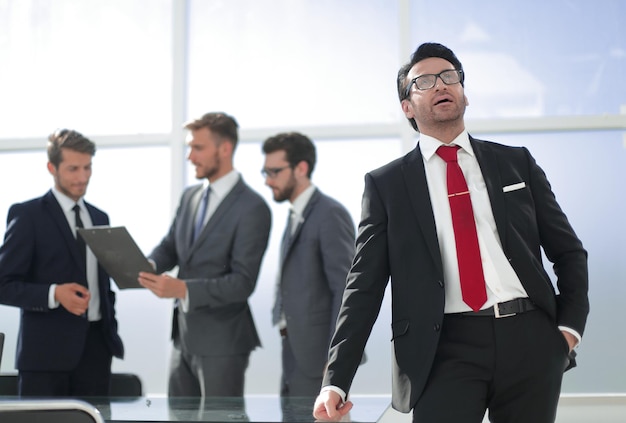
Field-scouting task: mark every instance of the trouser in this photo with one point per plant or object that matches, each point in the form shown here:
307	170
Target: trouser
511	367
90	378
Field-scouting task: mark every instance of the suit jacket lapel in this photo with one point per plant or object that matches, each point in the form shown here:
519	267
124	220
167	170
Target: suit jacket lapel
305	214
419	198
58	216
191	215
214	220
488	163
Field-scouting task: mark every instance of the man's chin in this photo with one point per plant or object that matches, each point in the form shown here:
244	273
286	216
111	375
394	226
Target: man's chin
279	199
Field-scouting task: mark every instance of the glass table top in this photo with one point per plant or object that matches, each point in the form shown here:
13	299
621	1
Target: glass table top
253	408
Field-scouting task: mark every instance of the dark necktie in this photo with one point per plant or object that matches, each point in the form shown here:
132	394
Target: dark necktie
79	239
287	235
465	236
203	205
286	240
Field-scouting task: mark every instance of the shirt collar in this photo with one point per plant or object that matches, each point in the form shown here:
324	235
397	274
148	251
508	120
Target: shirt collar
429	145
300	203
222	186
66	202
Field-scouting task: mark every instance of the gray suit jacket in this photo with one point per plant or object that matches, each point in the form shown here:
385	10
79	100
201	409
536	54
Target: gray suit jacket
220	269
313	278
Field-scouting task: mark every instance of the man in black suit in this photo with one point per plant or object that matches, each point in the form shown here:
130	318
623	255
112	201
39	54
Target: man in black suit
455	358
68	331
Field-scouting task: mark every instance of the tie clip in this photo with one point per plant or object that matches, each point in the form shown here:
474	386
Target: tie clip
458	193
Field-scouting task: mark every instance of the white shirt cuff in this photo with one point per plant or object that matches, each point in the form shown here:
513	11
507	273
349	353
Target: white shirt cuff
52	303
573	332
184	302
340	391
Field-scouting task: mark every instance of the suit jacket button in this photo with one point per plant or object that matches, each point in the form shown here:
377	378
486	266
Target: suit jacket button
437	327
440	282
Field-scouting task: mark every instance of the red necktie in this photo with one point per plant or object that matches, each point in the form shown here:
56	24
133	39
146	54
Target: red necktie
466	239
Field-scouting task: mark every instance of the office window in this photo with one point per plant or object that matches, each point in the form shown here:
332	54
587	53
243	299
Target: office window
101	66
294	62
526	59
131	184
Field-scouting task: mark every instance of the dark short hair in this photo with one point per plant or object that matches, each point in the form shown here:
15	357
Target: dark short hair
70	140
425	51
298	147
217	122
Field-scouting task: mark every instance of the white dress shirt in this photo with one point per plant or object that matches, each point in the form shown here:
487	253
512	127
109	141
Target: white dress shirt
298	206
67	204
501	280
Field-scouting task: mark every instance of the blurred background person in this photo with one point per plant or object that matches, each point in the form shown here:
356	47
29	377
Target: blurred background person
316	251
68	331
217	240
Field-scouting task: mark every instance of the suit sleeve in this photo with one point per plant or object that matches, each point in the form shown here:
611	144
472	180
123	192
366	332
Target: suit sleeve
16	256
364	291
337	250
564	249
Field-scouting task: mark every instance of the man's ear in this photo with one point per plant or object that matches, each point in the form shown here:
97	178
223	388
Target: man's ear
302	168
226	148
407	108
52	169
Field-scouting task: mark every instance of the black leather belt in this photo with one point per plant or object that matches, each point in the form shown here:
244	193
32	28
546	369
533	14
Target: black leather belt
505	309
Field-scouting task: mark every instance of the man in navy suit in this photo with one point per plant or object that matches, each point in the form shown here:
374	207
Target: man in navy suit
68	331
454	358
317	249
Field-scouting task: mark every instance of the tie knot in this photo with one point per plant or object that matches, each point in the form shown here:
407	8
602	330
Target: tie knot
448	154
76	208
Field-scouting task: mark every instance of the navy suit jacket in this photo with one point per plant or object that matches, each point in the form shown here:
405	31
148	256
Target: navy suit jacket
40	249
397	241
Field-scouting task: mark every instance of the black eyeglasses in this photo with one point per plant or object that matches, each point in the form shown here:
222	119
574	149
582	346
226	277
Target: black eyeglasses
427	81
272	172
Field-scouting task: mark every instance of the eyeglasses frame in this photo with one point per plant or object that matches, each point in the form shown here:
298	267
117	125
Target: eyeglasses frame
272	172
459	72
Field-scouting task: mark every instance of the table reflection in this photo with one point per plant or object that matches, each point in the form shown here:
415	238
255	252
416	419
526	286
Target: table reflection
228	409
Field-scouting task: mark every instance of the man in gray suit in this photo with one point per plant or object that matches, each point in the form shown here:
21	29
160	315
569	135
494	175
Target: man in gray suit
217	240
316	253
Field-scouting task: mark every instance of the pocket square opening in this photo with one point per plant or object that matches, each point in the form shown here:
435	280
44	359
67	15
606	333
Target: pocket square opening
514	187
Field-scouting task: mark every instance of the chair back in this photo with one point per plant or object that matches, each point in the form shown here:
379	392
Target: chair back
49	411
122	385
1	346
125	385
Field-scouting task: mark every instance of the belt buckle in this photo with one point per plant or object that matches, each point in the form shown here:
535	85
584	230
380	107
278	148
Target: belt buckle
496	310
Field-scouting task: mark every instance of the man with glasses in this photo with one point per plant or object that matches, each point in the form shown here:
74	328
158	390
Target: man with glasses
458	226
68	330
316	251
217	241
